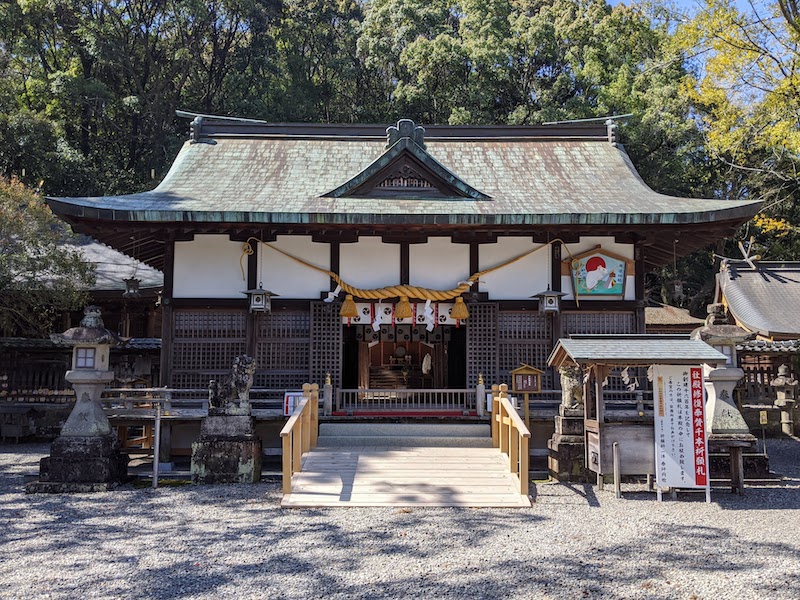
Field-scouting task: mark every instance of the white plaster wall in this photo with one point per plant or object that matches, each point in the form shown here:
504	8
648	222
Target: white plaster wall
518	281
208	267
369	263
438	264
288	278
609	245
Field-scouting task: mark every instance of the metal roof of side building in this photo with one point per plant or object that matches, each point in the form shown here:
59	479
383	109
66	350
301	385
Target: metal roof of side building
765	299
113	267
623	350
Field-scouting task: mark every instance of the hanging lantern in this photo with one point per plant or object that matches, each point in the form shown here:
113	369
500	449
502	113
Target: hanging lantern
260	299
549	301
403	309
131	288
459	312
349	309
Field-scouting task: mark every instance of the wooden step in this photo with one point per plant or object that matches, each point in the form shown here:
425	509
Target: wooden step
467	477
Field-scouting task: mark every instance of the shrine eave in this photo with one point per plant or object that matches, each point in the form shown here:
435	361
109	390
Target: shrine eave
73	210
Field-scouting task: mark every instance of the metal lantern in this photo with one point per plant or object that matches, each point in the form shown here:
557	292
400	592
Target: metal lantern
131	288
549	300
260	299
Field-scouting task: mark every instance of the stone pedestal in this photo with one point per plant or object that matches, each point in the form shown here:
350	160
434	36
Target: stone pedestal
81	464
228	450
727	431
567	458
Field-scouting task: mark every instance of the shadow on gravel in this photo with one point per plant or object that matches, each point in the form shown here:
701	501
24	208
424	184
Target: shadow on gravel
235	542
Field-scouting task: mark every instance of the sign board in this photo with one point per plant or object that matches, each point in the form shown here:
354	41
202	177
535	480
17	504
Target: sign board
526	378
290	401
762	417
680	431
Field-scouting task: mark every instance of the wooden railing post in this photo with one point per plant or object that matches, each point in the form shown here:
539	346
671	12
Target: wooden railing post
524	457
495	412
513	448
287	464
314	409
305	420
504	441
480	397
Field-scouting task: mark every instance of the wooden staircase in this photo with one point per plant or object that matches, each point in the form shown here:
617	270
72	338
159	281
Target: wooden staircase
404	464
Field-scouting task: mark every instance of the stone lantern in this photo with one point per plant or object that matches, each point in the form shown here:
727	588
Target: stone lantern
726	427
722	414
786	388
86	456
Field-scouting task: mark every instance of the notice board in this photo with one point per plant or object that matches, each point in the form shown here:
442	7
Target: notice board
680	427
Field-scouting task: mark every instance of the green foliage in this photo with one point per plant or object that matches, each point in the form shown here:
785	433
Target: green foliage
747	93
40	274
89	88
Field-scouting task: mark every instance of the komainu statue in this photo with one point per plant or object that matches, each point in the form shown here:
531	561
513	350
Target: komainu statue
571	386
232	394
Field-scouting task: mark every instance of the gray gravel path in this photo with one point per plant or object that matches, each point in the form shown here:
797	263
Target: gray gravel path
235	542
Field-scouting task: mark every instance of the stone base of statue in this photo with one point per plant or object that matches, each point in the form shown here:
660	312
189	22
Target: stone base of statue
567	458
81	464
228	450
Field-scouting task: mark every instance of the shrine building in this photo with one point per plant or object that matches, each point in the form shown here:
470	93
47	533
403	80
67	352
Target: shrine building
395	259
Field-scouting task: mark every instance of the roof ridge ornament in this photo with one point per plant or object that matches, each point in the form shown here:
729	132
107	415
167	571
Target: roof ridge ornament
405	128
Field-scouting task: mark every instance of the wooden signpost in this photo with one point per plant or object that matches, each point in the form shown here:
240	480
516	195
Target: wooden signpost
526	379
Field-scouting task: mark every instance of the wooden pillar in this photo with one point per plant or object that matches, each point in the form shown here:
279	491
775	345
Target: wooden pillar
638	255
253	318
335	257
557	331
167	320
474	263
405	263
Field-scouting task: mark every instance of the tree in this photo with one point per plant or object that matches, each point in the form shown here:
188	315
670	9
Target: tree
747	94
40	273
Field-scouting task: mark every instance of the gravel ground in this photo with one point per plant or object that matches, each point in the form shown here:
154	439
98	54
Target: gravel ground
235	542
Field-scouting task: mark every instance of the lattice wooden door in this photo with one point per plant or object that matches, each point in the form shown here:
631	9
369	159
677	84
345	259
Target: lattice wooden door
326	342
524	337
593	323
283	350
204	345
482	343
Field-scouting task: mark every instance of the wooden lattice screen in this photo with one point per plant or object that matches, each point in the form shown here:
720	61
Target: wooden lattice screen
482	342
283	346
593	323
524	337
204	345
326	342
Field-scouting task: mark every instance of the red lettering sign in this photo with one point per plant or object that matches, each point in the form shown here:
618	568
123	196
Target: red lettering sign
700	473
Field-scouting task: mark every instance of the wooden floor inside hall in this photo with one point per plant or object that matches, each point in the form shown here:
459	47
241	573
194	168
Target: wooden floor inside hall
419	476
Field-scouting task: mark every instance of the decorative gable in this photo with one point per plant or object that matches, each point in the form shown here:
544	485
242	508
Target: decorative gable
406	170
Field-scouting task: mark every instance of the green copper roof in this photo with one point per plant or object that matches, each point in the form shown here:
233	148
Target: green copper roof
245	173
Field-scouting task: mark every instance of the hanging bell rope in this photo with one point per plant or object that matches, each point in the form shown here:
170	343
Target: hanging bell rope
349	309
403	309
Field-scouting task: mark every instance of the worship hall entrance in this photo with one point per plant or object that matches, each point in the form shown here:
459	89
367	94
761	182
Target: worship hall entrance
403	357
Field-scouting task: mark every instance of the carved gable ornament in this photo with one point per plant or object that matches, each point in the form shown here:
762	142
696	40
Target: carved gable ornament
406	170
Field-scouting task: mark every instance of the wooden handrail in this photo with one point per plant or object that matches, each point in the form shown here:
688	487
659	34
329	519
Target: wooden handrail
510	435
299	435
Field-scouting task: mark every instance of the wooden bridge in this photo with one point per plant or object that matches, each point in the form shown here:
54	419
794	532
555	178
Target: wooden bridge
369	464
